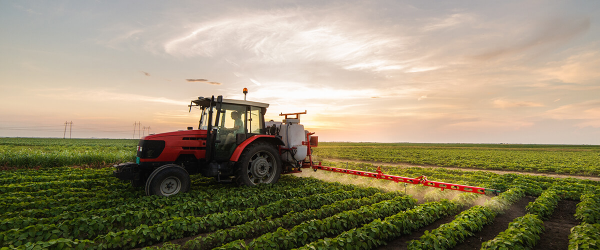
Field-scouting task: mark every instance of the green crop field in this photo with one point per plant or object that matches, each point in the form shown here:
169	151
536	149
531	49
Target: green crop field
38	152
563	159
47	203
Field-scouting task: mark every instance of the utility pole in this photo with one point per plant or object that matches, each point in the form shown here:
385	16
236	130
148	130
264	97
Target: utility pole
139	128
70	129
135	124
65	133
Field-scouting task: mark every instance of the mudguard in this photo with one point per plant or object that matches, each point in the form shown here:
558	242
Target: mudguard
240	148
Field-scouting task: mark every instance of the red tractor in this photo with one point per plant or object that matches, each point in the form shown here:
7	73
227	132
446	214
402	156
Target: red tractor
231	143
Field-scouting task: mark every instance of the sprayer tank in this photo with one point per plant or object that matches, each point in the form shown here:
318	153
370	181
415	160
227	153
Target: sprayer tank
293	134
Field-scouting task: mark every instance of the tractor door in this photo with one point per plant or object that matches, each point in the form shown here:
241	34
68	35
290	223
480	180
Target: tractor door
231	123
236	124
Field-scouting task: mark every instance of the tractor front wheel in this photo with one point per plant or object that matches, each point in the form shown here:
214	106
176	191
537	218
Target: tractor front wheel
259	163
168	180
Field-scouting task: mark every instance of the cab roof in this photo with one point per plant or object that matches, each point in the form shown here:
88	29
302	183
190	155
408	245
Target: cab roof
205	101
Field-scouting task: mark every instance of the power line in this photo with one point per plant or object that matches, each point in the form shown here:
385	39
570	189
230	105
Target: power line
146	129
70	129
68	126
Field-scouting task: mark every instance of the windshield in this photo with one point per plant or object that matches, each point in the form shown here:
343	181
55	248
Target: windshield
204	118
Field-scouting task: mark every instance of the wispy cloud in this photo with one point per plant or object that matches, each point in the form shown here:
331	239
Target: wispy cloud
554	31
203	80
287	35
448	22
255	82
504	103
587	112
104	95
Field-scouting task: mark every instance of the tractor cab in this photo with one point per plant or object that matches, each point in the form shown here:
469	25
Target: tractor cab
229	123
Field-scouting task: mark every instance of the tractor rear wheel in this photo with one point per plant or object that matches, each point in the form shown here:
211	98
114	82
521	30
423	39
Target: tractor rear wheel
259	163
168	180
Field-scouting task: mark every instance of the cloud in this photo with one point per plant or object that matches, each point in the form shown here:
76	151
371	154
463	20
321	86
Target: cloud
421	69
203	80
503	103
125	36
255	82
448	22
292	35
104	95
490	125
588	112
578	69
555	31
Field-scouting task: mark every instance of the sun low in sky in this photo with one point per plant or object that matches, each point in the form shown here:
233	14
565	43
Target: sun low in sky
381	71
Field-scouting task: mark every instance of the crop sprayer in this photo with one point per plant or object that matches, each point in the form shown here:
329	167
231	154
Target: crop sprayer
233	143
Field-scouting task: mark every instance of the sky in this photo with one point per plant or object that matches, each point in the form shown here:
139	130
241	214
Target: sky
365	71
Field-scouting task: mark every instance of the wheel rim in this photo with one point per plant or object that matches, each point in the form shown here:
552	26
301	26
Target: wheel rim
170	186
261	168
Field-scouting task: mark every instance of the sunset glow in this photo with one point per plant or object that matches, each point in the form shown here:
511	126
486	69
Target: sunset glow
383	71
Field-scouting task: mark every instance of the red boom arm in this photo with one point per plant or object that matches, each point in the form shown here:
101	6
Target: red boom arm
379	175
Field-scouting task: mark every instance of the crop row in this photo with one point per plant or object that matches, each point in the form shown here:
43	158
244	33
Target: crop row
46	178
110	207
588	209
18	201
587	234
258	227
85	227
48	172
379	231
544	205
315	229
450	234
184	226
584	236
524	232
466	223
178	227
37	186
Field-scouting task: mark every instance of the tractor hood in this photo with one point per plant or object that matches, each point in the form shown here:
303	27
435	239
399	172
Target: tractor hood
181	133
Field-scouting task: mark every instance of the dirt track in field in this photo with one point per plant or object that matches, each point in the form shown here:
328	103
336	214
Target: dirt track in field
376	163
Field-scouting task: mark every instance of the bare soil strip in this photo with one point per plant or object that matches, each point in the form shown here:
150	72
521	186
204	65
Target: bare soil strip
376	163
499	225
402	241
558	227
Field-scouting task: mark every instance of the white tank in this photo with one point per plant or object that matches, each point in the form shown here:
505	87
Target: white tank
293	135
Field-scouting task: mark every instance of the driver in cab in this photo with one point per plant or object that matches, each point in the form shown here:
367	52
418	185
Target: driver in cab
238	128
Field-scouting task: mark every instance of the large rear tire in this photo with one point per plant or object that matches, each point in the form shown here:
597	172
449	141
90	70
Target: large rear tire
168	180
259	163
